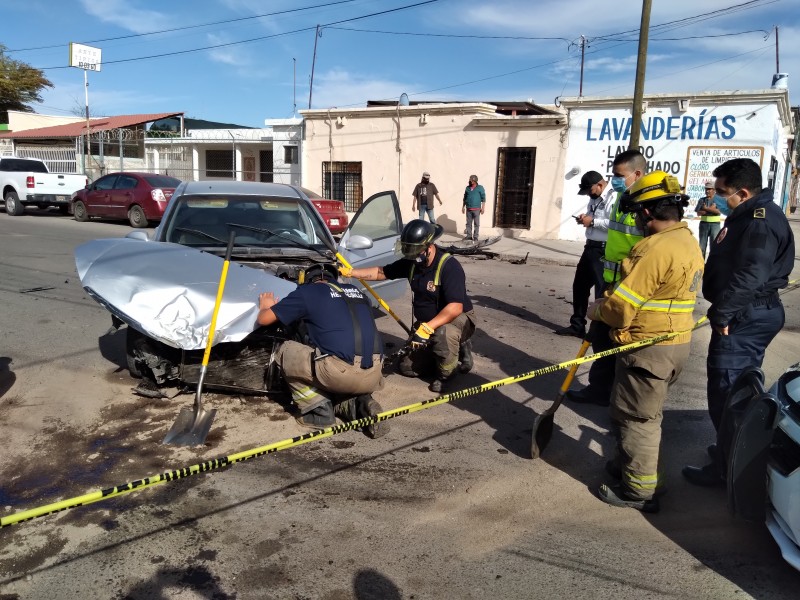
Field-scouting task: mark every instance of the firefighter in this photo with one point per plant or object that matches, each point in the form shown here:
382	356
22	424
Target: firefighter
655	295
443	315
339	367
623	233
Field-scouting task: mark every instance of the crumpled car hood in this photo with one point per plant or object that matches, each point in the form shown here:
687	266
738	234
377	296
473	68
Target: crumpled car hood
168	291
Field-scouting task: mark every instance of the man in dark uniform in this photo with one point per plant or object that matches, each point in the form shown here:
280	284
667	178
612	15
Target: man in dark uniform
443	315
749	261
341	363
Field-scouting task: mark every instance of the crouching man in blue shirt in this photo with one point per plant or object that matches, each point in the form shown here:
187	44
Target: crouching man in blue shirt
335	373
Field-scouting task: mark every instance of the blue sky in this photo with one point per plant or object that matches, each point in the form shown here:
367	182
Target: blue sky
245	83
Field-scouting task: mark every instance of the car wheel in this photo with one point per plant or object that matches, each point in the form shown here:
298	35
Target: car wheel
79	211
14	207
131	339
136	216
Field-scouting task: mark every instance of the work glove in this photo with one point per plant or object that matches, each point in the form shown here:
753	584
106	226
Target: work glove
421	337
345	271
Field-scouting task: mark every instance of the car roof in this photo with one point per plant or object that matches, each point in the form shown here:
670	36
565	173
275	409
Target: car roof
140	174
247	188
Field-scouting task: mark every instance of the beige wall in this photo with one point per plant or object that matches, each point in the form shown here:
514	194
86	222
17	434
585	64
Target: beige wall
453	142
22	121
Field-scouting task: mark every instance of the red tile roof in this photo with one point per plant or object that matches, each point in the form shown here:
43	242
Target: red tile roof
74	130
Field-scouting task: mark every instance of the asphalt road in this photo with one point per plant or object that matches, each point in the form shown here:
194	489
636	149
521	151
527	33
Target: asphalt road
447	505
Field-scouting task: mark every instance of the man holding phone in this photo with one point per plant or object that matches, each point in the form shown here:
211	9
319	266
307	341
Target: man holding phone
589	272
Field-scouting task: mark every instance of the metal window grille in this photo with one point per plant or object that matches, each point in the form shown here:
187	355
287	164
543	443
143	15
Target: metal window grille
220	163
342	181
514	187
59	159
265	166
290	155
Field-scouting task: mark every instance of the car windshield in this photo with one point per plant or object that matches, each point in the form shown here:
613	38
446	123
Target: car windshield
259	222
162	181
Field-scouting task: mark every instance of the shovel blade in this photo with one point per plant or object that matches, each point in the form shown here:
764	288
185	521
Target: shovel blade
541	434
191	427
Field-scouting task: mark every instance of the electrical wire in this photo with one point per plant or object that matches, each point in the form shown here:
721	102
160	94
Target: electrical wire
452	35
256	39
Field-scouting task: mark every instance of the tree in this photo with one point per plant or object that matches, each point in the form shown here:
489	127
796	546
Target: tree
20	84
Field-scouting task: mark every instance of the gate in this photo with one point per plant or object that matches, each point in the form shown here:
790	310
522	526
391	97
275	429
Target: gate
59	159
515	167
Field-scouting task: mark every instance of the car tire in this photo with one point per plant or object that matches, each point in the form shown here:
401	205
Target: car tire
131	338
79	211
14	207
136	216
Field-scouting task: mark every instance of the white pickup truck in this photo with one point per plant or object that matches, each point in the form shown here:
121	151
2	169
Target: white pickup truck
27	182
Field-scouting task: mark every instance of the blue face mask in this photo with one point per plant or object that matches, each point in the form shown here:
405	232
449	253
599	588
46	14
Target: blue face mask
721	202
618	184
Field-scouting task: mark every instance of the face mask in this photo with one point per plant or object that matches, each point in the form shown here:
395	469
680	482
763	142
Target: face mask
618	184
422	258
594	196
721	202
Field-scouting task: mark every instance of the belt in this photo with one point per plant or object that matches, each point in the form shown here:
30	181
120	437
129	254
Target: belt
595	244
762	300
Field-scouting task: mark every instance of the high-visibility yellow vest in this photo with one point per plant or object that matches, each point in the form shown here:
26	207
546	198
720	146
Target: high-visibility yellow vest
623	234
710	218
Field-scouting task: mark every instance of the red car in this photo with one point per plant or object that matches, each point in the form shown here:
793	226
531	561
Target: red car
137	197
332	211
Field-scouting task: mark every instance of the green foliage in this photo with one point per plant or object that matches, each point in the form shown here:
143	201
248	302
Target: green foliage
20	84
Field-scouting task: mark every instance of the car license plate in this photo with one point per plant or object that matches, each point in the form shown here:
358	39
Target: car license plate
61	198
334	221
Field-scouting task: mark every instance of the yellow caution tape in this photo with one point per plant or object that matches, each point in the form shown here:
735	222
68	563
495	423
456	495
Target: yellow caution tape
218	463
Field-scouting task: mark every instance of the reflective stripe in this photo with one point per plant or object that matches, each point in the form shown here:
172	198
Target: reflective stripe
670	306
711	219
623	228
306	393
641	482
436	276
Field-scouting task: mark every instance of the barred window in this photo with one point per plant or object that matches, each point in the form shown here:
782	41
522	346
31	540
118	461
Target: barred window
220	163
290	156
342	181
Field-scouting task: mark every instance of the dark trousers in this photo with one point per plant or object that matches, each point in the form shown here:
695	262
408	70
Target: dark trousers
749	334
601	373
588	275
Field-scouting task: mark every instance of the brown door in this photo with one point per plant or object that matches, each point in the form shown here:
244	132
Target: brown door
515	168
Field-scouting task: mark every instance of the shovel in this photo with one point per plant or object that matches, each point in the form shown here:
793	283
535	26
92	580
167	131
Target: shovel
543	424
192	426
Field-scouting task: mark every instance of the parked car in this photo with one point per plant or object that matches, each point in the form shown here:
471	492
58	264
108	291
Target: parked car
760	435
27	182
331	210
163	286
137	197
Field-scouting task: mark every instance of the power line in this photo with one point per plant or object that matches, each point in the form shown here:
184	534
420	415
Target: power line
185	27
451	35
696	37
256	39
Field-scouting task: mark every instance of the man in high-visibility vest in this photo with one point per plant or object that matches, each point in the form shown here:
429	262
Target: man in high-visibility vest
623	233
654	296
710	218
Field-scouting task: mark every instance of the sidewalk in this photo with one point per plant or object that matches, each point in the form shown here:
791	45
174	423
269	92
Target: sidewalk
558	252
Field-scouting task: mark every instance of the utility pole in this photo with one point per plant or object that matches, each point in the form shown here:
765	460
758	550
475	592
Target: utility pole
641	64
583	53
313	63
777	57
294	87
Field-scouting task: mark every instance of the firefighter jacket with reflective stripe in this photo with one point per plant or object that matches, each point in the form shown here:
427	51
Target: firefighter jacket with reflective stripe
622	236
656	292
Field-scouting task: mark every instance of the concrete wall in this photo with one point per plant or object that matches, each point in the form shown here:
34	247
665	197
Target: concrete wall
22	121
450	142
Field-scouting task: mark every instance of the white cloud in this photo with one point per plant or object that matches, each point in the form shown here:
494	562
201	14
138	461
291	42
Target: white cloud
338	87
123	14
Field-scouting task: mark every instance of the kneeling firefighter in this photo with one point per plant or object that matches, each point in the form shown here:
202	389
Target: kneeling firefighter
336	371
444	320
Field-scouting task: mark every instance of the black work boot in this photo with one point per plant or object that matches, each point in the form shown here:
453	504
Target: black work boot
318	418
616	496
406	367
367	406
465	357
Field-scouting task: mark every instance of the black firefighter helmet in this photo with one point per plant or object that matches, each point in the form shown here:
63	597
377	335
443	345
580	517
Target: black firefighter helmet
417	235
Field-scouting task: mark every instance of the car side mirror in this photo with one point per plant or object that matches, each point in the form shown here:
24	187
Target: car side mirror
358	242
139	235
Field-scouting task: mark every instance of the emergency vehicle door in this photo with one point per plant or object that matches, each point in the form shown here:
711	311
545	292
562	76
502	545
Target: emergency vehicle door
370	241
750	417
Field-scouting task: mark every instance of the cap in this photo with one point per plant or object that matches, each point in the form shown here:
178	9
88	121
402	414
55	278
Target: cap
426	175
589	179
473	178
709	185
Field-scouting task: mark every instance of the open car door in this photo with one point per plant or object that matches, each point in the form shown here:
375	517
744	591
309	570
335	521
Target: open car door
370	241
